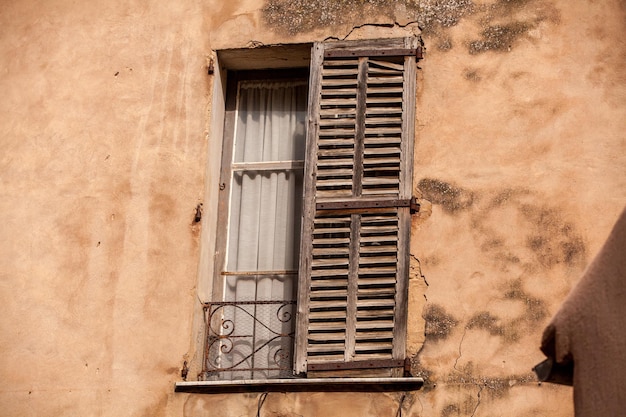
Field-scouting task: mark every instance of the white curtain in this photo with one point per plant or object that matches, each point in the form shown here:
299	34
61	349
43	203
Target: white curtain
265	206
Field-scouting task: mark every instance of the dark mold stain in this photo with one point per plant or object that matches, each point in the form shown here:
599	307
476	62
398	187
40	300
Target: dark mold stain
472	75
536	309
434	17
498	38
451	198
451	410
444	44
553	241
442	13
417	370
484	320
550	238
496	387
439	324
297	16
500	28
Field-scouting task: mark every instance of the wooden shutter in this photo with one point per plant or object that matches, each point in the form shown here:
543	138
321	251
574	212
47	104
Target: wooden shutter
358	183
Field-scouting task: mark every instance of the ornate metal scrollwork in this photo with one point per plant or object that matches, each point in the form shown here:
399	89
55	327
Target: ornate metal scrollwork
248	339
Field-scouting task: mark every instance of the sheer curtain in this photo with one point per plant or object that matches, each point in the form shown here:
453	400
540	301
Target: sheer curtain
264	223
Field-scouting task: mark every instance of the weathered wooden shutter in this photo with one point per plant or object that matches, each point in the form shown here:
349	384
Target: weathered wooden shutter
358	184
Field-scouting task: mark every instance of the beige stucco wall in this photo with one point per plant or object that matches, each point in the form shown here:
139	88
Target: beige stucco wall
105	124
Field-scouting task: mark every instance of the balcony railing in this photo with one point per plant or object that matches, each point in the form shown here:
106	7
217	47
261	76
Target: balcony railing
248	340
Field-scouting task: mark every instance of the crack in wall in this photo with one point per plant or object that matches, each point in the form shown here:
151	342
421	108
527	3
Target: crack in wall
480	389
460	350
381	25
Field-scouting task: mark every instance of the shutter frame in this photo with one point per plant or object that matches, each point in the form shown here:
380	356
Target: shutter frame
369	199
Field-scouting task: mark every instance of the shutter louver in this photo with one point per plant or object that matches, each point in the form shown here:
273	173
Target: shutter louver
354	257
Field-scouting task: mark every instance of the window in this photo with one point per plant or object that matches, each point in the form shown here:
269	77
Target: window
312	247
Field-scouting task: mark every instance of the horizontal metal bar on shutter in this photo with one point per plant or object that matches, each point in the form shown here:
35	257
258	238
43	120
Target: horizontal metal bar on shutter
369	204
361	204
340	53
381	363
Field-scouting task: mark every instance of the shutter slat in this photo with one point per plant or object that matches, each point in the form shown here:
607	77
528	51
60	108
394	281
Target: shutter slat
329	272
337	122
336	304
372	121
325	316
321	348
375	324
388	111
344	102
370	314
350	92
376	78
338	131
334	72
384	131
334	172
328	293
329	230
318	263
328	283
330	338
385	64
340	62
339	82
384	100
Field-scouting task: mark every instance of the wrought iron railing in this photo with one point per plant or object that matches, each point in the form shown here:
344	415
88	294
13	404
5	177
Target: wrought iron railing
248	339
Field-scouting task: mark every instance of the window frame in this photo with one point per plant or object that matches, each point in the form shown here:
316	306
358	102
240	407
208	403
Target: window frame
227	148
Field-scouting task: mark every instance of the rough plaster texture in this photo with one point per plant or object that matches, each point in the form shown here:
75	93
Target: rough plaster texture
520	161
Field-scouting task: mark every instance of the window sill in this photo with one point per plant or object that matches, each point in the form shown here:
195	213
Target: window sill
302	385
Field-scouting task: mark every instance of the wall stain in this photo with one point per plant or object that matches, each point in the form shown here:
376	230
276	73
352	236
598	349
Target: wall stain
497	387
297	16
550	238
472	75
499	38
501	27
536	309
419	371
450	197
439	324
554	241
451	410
484	320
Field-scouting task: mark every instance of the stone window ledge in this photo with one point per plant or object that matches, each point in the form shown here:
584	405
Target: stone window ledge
302	385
